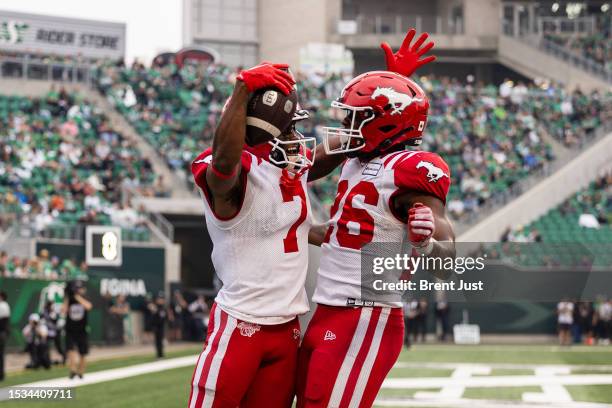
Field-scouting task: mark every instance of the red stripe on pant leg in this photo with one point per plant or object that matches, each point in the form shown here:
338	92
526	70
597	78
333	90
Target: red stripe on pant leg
211	329
213	350
361	356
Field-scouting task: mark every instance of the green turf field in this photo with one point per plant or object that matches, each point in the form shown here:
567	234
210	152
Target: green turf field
28	376
170	388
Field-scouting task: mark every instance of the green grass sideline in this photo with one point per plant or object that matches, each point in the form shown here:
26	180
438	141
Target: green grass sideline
28	376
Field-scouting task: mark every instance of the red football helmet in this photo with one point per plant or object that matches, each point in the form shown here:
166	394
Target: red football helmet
384	109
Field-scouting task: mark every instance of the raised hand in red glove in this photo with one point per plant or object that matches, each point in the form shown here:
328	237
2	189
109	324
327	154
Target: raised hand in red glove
406	60
421	225
267	75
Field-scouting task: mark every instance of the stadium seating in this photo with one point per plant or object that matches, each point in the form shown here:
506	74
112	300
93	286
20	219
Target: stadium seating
43	266
596	47
582	221
491	137
62	164
176	110
571	118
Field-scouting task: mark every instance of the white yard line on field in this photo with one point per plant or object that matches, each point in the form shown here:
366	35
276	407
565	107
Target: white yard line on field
453	366
478	403
551	380
109	375
483	348
451	399
497	381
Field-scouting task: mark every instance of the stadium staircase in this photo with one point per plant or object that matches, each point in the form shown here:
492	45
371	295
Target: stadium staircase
536	57
19	241
40	88
562	155
172	181
573	172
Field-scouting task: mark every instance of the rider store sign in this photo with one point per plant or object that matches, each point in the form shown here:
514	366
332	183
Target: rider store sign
48	35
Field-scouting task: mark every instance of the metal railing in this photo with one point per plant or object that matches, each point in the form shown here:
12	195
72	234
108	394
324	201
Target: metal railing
397	24
164	226
32	67
565	25
76	232
568	56
550	25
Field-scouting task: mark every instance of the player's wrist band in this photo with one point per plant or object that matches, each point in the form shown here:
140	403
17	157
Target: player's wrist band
220	175
426	249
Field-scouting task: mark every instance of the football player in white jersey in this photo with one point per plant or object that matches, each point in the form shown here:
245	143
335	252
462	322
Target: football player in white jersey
386	194
257	215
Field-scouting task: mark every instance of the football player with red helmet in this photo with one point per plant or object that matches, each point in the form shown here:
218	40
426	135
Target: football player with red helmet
257	215
386	193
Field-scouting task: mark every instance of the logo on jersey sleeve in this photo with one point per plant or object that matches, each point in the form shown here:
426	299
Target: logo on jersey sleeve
296	334
399	101
248	329
434	173
207	160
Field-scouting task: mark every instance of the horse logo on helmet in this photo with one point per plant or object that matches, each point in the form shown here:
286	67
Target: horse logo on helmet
398	101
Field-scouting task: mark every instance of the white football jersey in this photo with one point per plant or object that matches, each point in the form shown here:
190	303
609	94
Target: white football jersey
361	214
261	253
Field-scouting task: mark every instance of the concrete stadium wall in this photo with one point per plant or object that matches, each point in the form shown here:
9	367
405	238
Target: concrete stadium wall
173	265
482	17
443	41
547	194
287	25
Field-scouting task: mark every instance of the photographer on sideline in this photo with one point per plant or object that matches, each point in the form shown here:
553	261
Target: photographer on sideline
75	308
52	319
35	335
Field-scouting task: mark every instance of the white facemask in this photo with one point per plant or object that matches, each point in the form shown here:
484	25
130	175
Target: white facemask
293	154
338	140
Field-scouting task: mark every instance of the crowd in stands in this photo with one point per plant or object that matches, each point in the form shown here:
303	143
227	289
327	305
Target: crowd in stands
61	163
562	235
588	211
595	45
175	110
490	136
572	118
43	266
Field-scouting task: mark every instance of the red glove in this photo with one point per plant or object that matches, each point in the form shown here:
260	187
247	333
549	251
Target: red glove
421	225
406	60
267	75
